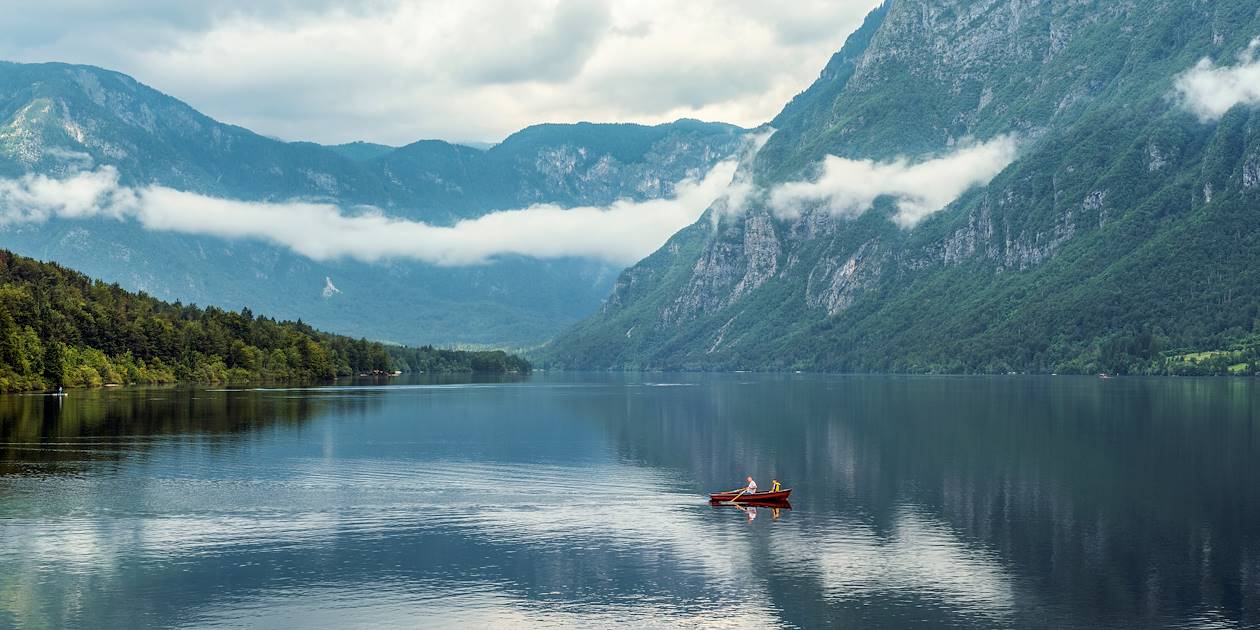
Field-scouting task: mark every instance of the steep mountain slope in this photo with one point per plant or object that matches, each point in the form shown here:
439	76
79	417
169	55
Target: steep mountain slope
1126	229
58	119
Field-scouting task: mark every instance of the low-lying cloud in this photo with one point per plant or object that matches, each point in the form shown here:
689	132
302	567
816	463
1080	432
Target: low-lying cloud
851	187
1208	90
620	233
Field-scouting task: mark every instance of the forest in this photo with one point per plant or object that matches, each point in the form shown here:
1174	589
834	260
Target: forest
60	328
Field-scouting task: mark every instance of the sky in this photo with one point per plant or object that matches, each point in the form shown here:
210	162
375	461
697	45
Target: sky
395	71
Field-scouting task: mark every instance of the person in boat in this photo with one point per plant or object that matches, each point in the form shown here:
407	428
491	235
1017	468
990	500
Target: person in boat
774	485
752	486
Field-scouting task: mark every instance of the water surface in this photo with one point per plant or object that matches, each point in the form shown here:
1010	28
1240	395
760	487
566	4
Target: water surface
578	501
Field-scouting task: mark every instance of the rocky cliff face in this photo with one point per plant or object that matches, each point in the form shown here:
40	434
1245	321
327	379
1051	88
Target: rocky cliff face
588	164
1079	255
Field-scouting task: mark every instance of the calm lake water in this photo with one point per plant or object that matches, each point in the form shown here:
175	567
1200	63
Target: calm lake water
578	501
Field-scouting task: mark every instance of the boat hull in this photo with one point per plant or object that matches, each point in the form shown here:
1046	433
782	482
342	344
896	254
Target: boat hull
760	497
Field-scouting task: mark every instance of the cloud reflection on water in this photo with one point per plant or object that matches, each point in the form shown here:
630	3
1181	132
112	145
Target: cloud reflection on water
951	502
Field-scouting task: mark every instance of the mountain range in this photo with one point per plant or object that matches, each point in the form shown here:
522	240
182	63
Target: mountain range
968	186
58	119
977	186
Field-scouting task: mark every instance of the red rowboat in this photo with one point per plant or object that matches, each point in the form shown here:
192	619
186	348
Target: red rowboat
756	497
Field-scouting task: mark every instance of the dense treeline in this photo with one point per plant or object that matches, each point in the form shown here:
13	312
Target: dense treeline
60	328
427	359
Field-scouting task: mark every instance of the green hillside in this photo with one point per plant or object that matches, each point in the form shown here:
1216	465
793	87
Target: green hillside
1124	238
60	328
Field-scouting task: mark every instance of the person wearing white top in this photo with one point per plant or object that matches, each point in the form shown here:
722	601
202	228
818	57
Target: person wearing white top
752	486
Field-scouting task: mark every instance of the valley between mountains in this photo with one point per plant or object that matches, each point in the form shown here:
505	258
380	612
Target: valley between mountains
969	186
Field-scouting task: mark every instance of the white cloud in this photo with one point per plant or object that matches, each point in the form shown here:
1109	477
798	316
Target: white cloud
621	233
741	188
850	187
394	71
1208	90
38	198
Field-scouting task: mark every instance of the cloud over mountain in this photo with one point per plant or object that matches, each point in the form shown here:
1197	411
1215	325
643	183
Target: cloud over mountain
1209	90
620	233
918	188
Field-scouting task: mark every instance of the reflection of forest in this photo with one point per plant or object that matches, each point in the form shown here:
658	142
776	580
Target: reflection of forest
1127	499
947	502
106	424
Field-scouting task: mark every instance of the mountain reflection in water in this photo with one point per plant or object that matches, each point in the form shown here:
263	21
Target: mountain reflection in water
581	500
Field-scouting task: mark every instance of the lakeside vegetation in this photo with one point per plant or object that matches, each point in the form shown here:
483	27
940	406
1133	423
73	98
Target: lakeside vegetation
1239	359
60	328
430	360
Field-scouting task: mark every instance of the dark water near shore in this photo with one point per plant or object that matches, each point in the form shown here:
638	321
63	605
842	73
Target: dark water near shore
577	501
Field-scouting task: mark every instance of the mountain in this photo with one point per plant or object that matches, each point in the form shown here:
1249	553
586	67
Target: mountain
59	327
360	151
58	119
1122	236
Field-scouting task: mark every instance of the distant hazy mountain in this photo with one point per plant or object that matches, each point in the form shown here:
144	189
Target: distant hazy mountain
57	119
1126	229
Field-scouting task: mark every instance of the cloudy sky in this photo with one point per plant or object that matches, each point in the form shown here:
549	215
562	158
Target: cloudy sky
394	71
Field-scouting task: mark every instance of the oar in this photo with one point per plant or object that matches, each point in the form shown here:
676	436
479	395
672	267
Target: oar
741	493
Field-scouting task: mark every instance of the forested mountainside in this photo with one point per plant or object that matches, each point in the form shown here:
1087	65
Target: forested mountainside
59	119
1122	235
61	328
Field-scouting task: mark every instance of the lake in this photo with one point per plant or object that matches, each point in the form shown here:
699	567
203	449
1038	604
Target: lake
577	500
